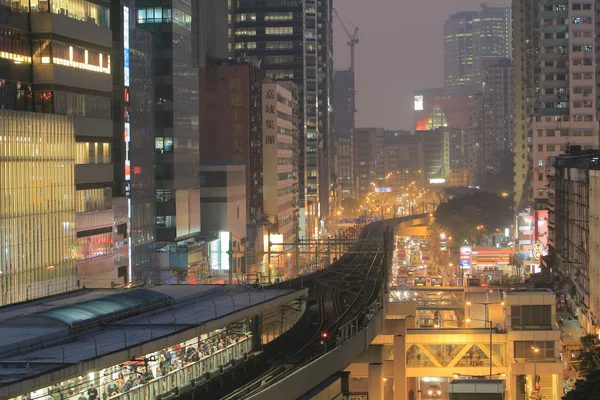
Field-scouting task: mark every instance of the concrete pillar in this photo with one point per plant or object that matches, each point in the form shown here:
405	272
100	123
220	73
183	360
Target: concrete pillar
257	328
400	383
375	381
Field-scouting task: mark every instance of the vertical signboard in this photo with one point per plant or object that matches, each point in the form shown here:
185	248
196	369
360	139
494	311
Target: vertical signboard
465	257
127	133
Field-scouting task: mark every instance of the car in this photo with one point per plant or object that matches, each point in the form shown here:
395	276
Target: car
434	390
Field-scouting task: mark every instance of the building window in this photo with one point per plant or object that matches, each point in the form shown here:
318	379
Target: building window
93	153
540	147
588	48
279	45
279	30
280	16
550	147
587	6
154	15
540	163
77	57
576	6
550	133
576	48
532	317
80	10
245	32
540	177
94	246
577	20
245	17
525	349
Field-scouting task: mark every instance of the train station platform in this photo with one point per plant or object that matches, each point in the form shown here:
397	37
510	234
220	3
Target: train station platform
153	341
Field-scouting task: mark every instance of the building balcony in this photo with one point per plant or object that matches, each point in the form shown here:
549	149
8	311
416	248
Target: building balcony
94	220
64	25
55	74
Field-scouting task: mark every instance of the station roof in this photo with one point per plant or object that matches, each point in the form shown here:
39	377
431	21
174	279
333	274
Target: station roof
112	305
70	333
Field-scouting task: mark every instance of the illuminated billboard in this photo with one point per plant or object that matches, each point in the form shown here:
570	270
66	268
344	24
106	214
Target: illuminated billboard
465	257
419	103
382	190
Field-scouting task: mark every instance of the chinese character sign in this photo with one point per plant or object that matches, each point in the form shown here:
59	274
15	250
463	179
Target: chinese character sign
236	104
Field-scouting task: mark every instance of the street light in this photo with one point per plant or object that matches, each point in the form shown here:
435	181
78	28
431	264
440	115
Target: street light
536	350
468	320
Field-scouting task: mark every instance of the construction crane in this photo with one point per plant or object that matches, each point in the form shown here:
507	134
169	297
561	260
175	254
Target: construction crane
352	39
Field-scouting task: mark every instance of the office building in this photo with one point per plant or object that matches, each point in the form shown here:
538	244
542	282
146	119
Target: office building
402	159
177	135
37	211
134	188
231	156
526	79
325	104
369	153
574	240
344	106
66	70
280	160
567	97
491	126
470	39
282	36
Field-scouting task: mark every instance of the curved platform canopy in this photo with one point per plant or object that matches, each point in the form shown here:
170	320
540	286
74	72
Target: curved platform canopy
107	308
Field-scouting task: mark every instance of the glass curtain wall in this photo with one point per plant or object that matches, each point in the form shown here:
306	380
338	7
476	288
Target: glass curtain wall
37	205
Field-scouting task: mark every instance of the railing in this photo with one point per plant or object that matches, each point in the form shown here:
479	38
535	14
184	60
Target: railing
188	375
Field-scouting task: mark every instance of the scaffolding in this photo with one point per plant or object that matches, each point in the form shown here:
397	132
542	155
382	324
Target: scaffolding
569	224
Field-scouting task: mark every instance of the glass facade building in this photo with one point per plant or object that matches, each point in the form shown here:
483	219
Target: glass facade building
37	205
176	123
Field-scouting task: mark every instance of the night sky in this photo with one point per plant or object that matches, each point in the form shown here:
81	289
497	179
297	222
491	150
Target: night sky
400	50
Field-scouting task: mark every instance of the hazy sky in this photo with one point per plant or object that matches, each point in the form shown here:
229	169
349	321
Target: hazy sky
400	50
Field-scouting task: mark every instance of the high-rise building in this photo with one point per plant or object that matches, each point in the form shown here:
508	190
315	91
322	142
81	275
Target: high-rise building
56	59
368	162
325	102
230	114
280	160
283	37
134	188
567	96
402	158
490	129
573	235
177	137
526	78
37	211
343	132
471	38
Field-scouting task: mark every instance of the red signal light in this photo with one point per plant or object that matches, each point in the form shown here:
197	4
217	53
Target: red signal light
324	335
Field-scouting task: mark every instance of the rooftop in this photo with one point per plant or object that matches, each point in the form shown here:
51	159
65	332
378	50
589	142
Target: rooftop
69	330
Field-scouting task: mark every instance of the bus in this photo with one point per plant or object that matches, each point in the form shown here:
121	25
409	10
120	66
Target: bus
420	281
426	319
437	281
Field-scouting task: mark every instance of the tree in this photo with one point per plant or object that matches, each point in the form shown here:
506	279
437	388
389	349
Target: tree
470	216
588	363
589	357
586	389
